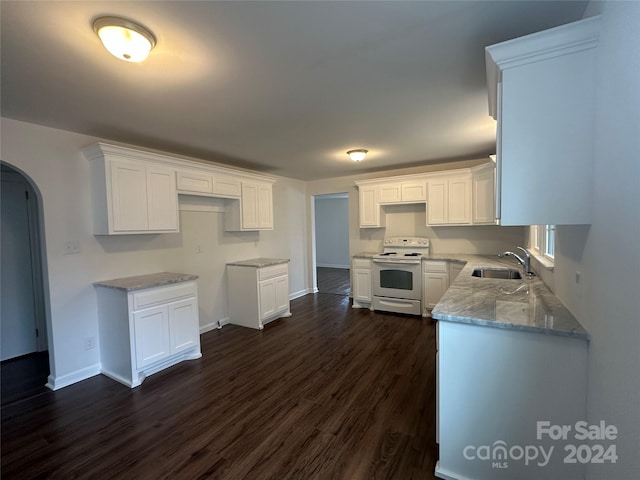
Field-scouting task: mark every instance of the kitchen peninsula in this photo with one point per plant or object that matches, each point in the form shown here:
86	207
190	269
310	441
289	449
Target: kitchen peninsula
509	355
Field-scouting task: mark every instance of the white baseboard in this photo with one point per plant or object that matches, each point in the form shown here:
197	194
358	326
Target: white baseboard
330	265
299	293
56	383
213	325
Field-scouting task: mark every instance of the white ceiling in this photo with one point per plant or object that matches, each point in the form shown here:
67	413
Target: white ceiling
281	87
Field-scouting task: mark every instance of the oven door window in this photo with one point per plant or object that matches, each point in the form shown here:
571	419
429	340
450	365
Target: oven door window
396	279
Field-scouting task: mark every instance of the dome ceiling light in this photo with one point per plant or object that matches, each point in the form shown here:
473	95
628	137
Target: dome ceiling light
358	154
124	39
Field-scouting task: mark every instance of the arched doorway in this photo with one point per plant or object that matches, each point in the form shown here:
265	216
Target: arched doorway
24	351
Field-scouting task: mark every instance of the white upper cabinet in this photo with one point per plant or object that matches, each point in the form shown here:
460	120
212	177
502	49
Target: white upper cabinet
137	192
449	200
254	210
132	196
370	216
403	192
541	92
448	196
483	199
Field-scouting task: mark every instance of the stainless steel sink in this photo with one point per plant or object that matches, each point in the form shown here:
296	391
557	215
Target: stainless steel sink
504	273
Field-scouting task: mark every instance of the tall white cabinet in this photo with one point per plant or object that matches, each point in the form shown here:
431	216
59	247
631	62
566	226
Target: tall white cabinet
147	323
541	92
258	291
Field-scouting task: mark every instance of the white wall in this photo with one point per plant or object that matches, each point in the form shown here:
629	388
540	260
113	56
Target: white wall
52	159
607	302
332	231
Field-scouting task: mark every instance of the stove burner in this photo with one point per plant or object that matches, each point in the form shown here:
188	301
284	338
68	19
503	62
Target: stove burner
385	254
413	254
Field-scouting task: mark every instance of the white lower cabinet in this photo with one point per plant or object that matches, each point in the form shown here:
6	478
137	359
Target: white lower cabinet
494	386
435	281
257	295
362	283
144	331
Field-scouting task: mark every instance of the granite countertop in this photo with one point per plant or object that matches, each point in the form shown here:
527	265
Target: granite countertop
146	281
366	254
526	304
260	262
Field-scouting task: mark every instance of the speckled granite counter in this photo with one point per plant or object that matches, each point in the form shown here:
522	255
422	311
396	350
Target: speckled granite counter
146	281
260	262
526	304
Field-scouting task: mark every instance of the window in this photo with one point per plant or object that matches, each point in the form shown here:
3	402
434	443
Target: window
543	242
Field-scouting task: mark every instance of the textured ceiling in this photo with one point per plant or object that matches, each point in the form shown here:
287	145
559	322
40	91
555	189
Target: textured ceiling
281	87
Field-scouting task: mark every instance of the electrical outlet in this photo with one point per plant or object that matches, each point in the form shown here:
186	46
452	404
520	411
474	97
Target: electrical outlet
71	248
198	249
89	343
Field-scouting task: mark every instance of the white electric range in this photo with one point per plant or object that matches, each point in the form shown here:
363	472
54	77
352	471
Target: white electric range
397	275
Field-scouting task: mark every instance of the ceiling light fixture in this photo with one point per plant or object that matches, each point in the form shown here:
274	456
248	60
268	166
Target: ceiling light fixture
358	154
124	39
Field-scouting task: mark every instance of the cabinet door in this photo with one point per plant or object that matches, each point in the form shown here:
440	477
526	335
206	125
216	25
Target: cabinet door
484	197
434	286
454	270
267	298
265	207
282	293
162	199
390	193
414	192
362	285
226	186
198	182
184	328
151	330
369	207
249	206
459	200
437	195
129	196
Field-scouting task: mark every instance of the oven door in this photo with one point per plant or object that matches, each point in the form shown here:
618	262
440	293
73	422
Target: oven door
397	278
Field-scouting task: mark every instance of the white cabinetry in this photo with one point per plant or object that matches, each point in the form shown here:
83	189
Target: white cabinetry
483	200
403	192
137	192
541	92
449	200
503	382
362	283
131	196
144	331
454	270
435	281
254	210
370	216
257	295
196	182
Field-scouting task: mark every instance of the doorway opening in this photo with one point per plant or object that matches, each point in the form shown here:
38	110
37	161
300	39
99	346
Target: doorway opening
331	239
24	352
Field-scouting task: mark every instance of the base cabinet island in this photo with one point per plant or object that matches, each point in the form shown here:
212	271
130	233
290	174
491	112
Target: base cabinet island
511	369
147	323
258	291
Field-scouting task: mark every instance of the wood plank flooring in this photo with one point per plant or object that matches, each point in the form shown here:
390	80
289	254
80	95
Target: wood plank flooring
333	280
329	393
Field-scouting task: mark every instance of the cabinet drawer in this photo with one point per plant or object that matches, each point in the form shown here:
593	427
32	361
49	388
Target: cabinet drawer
435	266
272	272
361	263
156	296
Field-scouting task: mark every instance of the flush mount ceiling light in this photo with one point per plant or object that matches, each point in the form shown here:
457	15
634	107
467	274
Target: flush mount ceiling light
124	39
358	154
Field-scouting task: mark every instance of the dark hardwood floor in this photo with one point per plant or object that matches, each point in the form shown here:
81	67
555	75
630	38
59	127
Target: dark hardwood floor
23	377
329	393
333	280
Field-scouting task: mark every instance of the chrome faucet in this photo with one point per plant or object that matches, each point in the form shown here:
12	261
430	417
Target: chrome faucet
525	260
